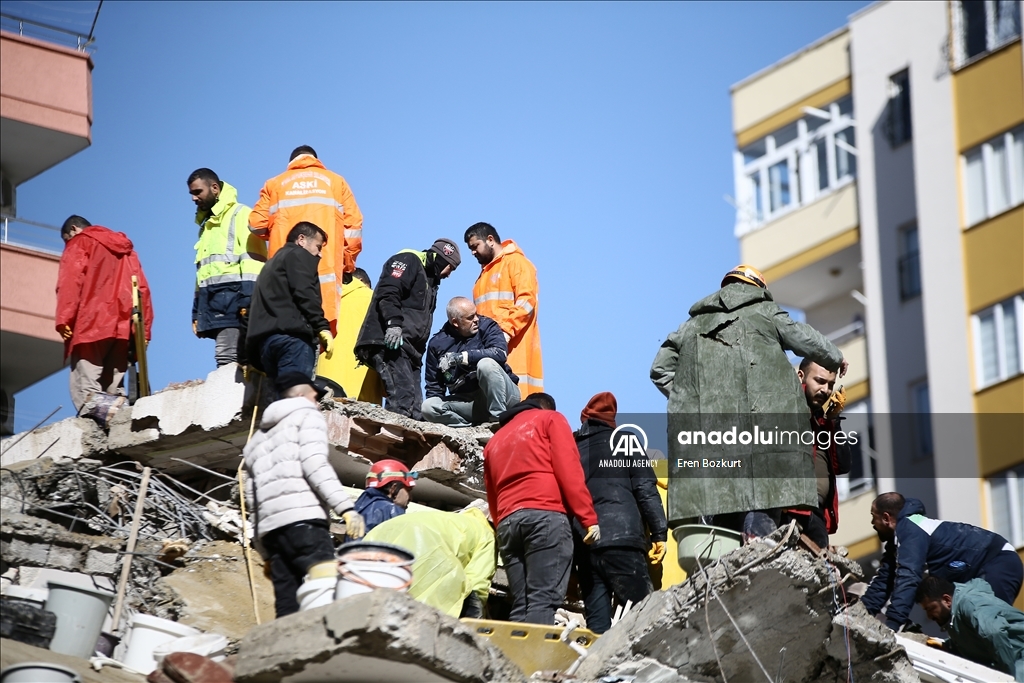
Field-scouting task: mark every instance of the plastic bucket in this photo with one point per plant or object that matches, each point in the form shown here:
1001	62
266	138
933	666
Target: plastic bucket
38	672
80	614
316	592
366	566
705	542
148	633
209	645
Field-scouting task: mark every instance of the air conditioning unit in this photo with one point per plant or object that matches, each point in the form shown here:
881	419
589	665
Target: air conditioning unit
8	196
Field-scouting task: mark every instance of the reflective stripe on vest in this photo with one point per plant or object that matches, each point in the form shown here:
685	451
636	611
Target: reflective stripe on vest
525	305
288	203
354	233
531	381
492	296
228	277
330	277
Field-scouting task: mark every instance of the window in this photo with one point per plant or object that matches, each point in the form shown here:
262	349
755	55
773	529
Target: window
796	164
922	420
910	263
897	122
980	26
998	331
994	176
1006	504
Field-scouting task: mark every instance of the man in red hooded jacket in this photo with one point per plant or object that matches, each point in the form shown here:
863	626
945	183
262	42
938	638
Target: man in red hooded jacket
94	306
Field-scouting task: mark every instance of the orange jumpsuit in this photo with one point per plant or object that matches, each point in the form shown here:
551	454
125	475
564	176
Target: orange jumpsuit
309	192
506	291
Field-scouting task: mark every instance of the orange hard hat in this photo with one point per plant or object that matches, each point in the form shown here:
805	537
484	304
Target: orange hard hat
383	472
748	274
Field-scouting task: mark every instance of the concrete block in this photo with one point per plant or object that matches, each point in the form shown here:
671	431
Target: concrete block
383	635
69	439
101	561
19	551
63	557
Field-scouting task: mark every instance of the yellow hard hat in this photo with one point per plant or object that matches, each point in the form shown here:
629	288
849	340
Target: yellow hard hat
748	274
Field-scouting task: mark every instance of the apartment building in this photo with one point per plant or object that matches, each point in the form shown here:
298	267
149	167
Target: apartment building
879	184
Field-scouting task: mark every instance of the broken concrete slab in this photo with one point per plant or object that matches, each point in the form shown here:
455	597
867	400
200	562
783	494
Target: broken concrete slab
70	439
13	652
383	635
33	542
775	602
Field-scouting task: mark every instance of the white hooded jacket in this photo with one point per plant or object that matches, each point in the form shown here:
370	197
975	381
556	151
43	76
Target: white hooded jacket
287	472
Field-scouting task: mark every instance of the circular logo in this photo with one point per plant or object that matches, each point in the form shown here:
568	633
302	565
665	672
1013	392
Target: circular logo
616	443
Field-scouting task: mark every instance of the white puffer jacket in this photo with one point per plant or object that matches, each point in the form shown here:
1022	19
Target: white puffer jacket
286	461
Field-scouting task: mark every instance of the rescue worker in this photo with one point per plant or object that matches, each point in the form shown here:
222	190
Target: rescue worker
981	627
228	259
628	506
359	381
394	334
954	551
308	192
507	292
726	369
287	323
94	313
468	381
289	482
389	485
831	458
534	480
455	557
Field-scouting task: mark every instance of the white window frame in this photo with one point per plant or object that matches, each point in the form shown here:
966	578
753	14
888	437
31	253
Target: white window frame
987	175
800	155
958	38
1016	505
997	310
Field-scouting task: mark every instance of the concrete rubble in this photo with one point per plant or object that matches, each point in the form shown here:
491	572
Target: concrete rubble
380	636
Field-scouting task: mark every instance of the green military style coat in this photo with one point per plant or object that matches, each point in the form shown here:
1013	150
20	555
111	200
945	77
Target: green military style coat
725	370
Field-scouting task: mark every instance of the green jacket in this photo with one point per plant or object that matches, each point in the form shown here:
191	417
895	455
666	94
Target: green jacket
228	259
725	368
986	630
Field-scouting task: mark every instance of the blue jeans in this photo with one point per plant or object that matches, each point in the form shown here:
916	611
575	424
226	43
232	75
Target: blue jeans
286	358
496	394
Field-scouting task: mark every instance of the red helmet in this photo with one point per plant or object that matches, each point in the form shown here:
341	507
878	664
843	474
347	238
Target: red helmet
383	472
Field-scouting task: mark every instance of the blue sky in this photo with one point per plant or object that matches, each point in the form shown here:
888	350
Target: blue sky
597	136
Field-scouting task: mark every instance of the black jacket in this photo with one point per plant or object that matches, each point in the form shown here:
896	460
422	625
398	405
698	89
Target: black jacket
954	551
625	495
488	342
286	300
405	295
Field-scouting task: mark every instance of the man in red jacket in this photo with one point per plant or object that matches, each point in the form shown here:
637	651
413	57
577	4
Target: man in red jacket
94	307
532	472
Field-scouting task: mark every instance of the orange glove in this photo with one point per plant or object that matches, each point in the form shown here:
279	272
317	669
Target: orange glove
657	552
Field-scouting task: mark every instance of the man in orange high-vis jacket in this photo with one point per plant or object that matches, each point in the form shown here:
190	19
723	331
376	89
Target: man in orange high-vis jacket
307	191
506	292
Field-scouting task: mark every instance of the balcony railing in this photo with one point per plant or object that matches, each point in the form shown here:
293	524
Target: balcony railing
31	235
847	333
66	37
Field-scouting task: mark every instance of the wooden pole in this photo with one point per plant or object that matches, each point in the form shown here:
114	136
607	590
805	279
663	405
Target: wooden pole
126	563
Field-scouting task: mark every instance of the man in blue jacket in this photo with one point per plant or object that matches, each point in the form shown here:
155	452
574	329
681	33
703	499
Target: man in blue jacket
468	380
953	551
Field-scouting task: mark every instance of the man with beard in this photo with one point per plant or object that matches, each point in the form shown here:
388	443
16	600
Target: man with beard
506	292
228	260
981	627
394	334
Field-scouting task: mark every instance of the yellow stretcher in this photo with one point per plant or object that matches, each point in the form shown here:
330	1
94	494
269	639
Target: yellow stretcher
532	647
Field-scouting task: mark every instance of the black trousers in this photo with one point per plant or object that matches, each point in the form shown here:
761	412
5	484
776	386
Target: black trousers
1004	572
399	369
606	572
812	525
294	548
536	547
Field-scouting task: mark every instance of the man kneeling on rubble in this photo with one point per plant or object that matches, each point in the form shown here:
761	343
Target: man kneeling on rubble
981	627
287	477
468	380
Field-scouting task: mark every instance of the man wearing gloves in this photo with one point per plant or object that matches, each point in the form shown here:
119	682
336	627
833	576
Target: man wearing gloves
286	320
394	334
468	380
626	500
228	259
288	482
532	474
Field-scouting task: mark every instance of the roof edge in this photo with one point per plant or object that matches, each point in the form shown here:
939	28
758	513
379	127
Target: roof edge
790	58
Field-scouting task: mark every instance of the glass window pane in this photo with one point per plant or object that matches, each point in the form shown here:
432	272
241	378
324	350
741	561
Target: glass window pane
822	157
1000	493
846	163
973	16
987	345
999	180
785	135
845	106
778	183
1007	20
755	189
1011	348
1017	166
975	187
753	151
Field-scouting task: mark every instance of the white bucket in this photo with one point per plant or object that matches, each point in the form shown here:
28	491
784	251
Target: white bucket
148	633
316	592
80	614
209	645
35	672
362	577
